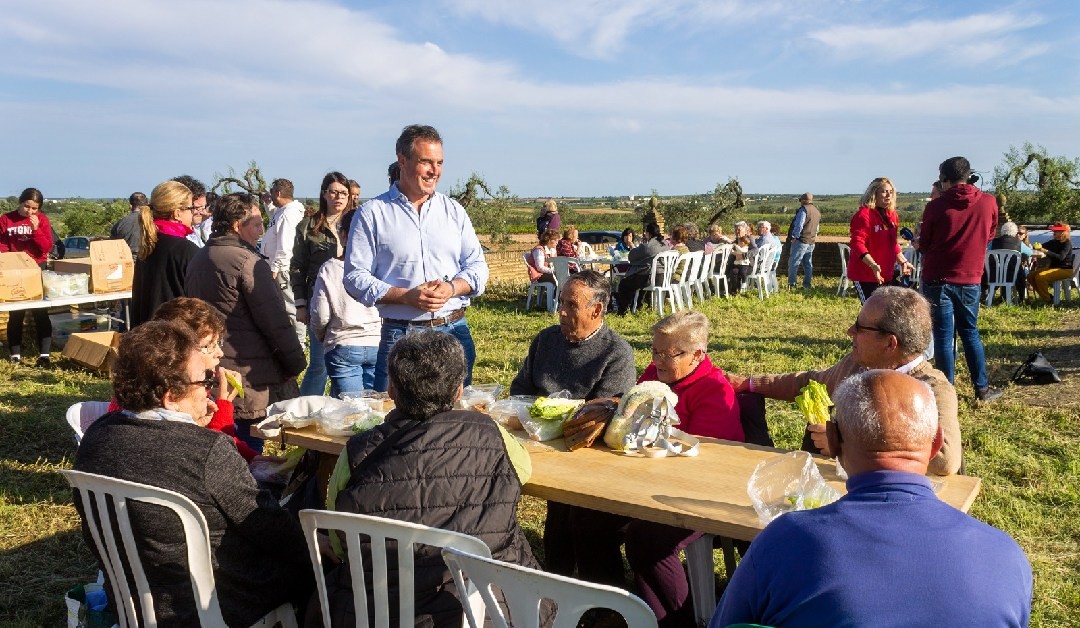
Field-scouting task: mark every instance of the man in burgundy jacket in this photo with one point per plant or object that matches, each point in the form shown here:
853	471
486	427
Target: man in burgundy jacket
956	228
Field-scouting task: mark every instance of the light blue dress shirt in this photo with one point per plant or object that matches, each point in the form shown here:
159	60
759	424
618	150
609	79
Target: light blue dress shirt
392	245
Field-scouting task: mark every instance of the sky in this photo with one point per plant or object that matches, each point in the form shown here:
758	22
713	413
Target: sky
549	98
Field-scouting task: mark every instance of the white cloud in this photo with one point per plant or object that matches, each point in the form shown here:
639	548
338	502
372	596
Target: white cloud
601	28
975	39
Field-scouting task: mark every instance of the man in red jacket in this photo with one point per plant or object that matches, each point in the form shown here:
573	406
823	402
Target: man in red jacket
956	228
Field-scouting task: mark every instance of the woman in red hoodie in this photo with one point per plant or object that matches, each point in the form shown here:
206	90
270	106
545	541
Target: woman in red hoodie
875	250
27	230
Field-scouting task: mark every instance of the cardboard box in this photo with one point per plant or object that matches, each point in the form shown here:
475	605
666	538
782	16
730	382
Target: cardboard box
94	350
20	277
110	266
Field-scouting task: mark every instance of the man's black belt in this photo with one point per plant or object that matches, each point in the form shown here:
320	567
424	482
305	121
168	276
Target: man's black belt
431	322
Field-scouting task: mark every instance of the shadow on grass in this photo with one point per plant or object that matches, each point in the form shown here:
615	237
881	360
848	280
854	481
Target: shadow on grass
43	570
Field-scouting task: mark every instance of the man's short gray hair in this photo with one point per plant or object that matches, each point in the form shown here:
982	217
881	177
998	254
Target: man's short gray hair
594	281
1009	229
690	329
860	420
766	224
906	314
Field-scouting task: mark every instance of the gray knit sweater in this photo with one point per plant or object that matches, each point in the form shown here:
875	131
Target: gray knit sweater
601	366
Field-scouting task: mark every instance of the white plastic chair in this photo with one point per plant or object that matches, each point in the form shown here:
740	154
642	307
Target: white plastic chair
701	284
1002	268
525	588
96	492
585	250
772	284
83	414
719	269
561	268
690	263
845	283
1067	285
759	270
535	287
663	267
380	530
914	257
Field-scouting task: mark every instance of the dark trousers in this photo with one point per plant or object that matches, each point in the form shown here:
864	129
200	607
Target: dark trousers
41	322
652	549
628	285
587	540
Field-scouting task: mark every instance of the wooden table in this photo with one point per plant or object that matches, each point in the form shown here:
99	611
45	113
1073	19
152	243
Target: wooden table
705	493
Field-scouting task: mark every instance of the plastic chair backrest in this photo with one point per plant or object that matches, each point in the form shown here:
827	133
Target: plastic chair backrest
380	530
690	263
706	266
1002	267
96	492
664	265
525	588
83	414
561	266
585	250
763	258
845	253
723	256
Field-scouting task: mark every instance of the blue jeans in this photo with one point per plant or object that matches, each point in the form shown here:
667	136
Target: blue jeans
315	376
351	369
800	254
954	310
391	332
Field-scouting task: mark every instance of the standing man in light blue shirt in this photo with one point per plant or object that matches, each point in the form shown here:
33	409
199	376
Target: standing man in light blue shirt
413	253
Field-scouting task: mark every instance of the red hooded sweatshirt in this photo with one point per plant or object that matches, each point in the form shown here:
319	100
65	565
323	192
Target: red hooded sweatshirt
17	233
956	228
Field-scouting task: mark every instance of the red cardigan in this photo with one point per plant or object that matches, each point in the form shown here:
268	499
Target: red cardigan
876	236
707	404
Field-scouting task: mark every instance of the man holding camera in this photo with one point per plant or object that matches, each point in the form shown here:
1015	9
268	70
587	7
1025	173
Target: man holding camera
956	228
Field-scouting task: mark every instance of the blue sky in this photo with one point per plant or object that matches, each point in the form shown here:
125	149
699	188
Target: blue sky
560	97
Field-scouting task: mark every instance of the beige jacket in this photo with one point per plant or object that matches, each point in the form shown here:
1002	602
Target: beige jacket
786	387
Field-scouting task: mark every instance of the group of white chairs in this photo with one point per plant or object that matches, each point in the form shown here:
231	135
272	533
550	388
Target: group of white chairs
469	560
1003	267
704	275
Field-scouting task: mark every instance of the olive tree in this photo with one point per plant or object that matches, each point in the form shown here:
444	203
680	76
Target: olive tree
1035	187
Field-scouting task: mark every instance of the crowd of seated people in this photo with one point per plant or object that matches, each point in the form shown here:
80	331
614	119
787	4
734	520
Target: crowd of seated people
172	425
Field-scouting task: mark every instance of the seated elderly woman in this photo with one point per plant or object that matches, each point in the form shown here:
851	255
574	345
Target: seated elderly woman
471	471
707	407
160	438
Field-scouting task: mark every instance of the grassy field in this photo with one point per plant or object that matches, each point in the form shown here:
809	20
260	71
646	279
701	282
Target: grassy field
1025	447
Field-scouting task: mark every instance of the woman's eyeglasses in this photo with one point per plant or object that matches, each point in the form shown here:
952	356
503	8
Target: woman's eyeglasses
337	193
208	349
209	383
658	356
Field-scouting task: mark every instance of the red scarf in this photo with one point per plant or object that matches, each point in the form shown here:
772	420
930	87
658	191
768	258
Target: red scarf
173	228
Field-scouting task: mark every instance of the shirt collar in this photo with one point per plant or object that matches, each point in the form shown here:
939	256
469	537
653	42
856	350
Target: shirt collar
910	366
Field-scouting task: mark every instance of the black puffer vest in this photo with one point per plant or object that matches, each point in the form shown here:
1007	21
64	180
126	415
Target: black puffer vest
450	472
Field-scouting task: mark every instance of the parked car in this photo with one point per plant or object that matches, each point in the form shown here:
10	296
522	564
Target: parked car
595	237
78	246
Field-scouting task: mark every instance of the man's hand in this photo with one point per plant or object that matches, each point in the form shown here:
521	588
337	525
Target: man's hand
34	221
430	296
817	434
301	314
738	382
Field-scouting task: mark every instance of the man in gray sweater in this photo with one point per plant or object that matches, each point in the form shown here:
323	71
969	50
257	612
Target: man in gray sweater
584	356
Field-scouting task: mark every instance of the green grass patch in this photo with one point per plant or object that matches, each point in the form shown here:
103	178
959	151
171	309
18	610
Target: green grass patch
1025	447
